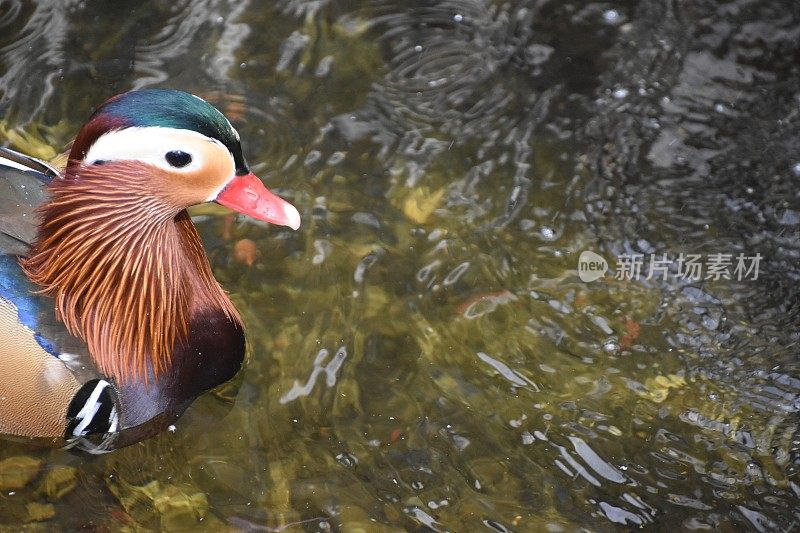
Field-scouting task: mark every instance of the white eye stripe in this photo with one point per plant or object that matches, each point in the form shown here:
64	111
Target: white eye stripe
150	145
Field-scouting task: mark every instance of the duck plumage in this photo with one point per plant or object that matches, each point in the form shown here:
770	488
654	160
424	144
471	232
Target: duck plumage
110	314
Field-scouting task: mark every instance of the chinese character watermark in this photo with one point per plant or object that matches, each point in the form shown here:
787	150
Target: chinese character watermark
690	267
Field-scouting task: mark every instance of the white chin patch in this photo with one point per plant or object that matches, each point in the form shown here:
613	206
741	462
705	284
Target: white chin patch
213	195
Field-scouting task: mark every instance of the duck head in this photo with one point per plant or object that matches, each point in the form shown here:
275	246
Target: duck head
187	151
115	246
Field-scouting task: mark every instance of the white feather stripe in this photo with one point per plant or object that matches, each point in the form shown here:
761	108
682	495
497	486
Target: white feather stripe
150	145
90	408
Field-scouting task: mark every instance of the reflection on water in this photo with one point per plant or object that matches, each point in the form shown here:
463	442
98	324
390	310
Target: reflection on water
424	355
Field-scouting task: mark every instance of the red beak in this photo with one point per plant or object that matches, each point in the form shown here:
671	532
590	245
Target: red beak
247	195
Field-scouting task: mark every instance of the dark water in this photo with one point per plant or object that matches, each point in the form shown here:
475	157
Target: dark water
424	355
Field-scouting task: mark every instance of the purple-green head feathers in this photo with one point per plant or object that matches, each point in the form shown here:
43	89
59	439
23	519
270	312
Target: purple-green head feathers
165	108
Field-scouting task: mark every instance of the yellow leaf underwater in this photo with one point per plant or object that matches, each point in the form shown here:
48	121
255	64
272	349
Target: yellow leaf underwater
18	471
421	203
36	142
659	386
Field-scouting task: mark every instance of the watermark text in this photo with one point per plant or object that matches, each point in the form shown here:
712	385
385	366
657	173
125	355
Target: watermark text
659	266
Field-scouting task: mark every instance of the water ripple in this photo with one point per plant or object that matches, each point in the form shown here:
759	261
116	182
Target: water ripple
174	40
36	50
329	368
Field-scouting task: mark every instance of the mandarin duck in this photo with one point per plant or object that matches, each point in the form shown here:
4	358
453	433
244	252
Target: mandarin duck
110	316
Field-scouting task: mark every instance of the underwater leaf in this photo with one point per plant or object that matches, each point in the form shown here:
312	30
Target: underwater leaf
421	203
38	512
59	481
16	472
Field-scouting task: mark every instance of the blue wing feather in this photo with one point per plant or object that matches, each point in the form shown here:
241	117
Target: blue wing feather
22	181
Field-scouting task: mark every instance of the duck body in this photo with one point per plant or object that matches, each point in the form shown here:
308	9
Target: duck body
111	320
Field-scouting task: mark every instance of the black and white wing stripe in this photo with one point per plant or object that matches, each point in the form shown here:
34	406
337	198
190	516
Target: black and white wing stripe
93	410
13	159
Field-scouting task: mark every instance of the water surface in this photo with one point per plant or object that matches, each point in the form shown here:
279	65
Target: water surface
423	353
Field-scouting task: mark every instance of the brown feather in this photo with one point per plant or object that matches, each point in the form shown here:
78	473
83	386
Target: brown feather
126	267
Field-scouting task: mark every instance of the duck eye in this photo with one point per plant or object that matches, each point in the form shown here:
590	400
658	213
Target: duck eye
178	158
